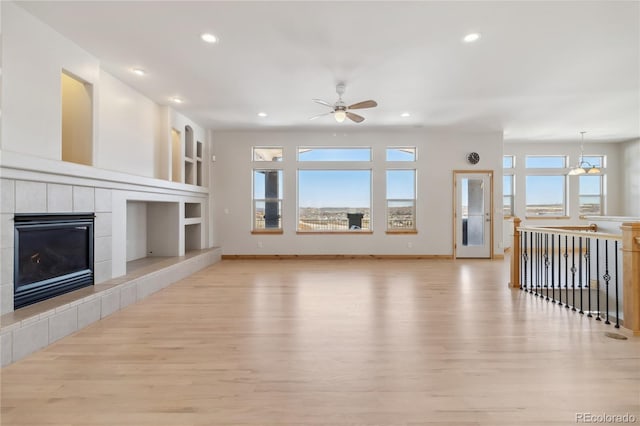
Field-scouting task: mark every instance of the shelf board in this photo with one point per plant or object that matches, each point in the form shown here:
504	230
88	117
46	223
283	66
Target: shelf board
192	220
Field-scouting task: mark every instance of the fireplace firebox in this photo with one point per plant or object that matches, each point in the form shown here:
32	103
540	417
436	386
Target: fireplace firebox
53	255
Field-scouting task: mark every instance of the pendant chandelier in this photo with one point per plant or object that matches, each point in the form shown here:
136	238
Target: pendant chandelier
582	166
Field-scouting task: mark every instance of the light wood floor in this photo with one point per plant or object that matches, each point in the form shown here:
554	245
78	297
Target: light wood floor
321	342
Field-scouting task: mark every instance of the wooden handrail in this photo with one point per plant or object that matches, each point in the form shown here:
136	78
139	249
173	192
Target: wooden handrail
592	227
555	231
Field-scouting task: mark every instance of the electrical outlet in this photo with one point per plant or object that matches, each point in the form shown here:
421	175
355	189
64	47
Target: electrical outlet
410	244
259	244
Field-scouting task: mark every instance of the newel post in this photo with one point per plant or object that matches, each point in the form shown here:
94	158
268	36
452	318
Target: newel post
515	255
631	274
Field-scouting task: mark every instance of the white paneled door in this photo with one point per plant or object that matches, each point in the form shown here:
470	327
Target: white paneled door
473	215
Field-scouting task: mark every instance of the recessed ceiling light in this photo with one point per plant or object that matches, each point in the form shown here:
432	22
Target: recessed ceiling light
262	114
176	100
405	114
471	37
138	71
209	38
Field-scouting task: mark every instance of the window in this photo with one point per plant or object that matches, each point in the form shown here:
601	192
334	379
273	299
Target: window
334	200
334	154
594	160
507	195
508	185
546	196
267	200
267	153
508	162
546	162
401	154
591	200
401	200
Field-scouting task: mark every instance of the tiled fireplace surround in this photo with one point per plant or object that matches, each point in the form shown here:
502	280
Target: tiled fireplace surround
28	191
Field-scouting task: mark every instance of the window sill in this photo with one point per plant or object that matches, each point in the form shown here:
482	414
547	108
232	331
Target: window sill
354	232
547	217
401	231
588	216
267	232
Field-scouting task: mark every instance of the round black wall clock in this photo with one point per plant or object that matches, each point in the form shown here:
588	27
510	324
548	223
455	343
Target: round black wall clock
473	157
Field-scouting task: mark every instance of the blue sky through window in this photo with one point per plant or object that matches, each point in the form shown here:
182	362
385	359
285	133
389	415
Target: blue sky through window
401	184
545	162
545	190
334	154
334	188
590	185
401	154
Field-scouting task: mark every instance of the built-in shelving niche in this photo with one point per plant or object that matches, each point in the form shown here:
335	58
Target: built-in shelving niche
187	164
192	210
152	230
192	237
199	170
192	226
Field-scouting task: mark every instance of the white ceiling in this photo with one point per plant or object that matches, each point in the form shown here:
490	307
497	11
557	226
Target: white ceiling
541	71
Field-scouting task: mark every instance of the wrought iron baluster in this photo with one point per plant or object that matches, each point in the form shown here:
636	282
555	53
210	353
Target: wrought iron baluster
573	273
521	260
566	271
615	246
606	278
532	262
598	318
546	266
580	287
538	260
553	265
525	257
560	269
587	258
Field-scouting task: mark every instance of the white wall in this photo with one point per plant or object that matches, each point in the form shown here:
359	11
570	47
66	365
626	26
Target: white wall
34	56
439	153
129	133
136	230
613	196
630	154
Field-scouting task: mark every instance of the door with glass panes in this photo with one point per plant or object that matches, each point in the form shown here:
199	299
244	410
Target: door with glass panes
473	214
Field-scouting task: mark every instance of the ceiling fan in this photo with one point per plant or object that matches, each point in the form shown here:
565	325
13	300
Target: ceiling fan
340	110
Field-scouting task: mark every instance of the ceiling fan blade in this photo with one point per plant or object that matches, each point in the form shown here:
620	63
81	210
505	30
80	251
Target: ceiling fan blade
355	117
364	104
321	102
320	115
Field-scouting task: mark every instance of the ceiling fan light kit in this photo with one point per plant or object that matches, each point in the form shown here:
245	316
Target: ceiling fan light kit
340	109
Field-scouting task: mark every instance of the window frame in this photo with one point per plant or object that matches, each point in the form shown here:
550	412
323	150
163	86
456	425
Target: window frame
601	194
398	148
512	195
565	189
337	148
257	147
265	200
341	166
413	201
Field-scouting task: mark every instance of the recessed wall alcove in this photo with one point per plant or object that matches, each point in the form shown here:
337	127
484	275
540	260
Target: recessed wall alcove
77	119
152	231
